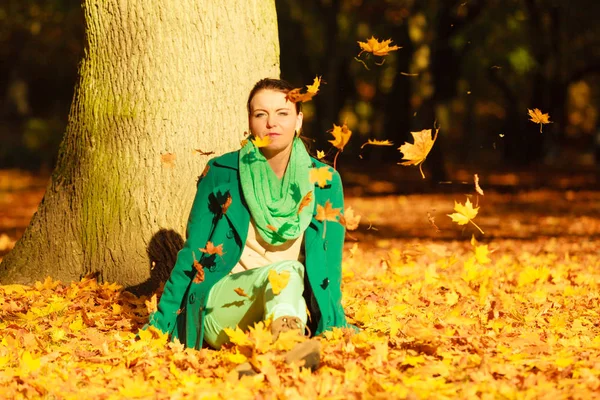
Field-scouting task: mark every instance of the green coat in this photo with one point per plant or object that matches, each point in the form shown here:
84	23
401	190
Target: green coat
182	306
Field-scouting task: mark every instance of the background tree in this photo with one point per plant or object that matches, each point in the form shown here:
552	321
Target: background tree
157	83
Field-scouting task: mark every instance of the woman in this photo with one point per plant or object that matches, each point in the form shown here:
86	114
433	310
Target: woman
248	206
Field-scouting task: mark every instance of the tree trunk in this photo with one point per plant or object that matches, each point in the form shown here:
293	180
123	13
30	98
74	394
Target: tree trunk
158	82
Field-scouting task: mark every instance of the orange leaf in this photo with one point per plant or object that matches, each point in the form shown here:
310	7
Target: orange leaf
417	152
152	304
240	292
168	159
199	278
297	95
538	117
205	171
225	206
305	201
349	220
320	176
327	213
477	188
261	142
271	227
341	134
374	142
212	249
376	47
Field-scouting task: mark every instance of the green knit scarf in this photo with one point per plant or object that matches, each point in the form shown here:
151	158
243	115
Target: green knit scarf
274	202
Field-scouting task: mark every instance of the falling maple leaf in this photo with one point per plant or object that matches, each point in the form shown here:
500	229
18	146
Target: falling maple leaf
298	94
374	142
327	213
241	292
261	142
431	219
320	154
225	206
481	252
204	153
477	187
376	47
464	214
152	304
305	201
538	117
243	142
320	176
341	136
349	219
199	277
417	152
278	281
212	249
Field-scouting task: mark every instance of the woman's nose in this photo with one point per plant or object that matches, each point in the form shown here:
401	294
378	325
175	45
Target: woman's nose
271	121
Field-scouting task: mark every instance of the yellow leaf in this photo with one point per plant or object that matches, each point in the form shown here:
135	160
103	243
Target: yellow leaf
237	357
376	47
464	214
320	154
327	213
349	220
481	252
538	117
298	94
341	134
417	153
237	336
261	142
477	187
28	363
76	325
278	281
374	142
320	176
452	298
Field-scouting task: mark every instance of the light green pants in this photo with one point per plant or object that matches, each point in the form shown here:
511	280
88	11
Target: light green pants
226	308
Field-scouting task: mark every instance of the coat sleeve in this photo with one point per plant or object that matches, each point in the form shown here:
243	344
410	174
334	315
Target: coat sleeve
197	233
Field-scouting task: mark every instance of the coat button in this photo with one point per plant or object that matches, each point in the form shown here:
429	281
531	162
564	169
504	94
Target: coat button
229	234
325	245
325	283
192	298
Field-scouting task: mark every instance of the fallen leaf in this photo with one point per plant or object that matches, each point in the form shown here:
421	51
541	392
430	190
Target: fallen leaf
538	117
199	277
349	219
278	281
327	213
376	47
320	176
204	153
296	95
374	142
305	201
417	153
271	227
464	214
151	305
261	142
341	136
212	249
241	292
225	206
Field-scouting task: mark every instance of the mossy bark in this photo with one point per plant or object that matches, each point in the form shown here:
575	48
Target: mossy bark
159	81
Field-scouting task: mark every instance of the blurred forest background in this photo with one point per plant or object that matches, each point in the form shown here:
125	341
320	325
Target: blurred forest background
472	66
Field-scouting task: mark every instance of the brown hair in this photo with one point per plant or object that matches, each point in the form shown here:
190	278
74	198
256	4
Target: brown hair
278	85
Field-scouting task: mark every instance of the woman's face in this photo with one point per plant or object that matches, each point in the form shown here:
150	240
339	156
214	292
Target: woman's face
272	115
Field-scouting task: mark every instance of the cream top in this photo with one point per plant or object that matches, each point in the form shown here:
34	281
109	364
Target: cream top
258	253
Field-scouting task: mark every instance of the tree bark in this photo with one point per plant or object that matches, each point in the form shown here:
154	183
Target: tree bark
158	82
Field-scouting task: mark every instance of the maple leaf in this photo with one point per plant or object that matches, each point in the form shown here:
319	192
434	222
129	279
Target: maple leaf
278	281
199	277
374	142
320	176
271	227
296	95
204	153
464	214
305	201
205	171
477	188
349	220
376	47
341	134
243	142
320	154
538	117
241	292
261	142
417	152
327	213
225	206
152	305
212	249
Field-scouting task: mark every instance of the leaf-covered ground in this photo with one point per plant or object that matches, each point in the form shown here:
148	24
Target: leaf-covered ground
511	315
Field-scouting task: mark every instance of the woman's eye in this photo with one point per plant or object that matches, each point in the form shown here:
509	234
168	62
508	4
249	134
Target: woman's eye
284	113
259	115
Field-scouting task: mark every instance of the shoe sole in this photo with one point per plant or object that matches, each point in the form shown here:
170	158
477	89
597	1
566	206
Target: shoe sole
309	352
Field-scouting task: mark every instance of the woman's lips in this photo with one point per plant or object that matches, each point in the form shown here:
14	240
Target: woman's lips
273	134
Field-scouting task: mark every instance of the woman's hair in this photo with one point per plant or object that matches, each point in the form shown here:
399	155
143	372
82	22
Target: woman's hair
278	85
